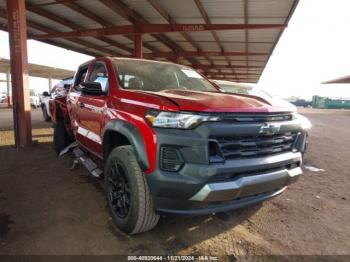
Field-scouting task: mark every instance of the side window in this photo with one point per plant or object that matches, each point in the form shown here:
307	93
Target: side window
80	77
99	74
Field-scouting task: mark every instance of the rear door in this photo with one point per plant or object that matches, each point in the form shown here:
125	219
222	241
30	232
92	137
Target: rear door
91	110
73	97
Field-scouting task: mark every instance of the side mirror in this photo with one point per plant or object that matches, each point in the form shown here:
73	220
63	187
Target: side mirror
46	93
91	88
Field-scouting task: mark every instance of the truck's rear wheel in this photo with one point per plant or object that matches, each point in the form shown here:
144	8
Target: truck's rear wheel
46	116
61	137
128	196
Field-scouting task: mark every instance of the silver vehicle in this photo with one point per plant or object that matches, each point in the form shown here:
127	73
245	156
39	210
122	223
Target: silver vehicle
34	99
60	89
246	89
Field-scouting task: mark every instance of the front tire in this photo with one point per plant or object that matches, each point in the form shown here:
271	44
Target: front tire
129	199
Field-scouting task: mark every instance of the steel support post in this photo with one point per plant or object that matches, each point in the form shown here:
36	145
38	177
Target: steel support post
19	72
138	53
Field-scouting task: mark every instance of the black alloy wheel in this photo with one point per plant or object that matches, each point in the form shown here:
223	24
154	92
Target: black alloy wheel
119	190
129	199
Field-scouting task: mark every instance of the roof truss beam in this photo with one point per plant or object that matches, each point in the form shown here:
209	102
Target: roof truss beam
81	10
154	29
50	3
199	53
136	19
155	4
246	34
72	25
218	67
206	19
34	25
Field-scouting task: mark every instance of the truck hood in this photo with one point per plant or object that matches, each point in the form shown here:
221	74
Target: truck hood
188	100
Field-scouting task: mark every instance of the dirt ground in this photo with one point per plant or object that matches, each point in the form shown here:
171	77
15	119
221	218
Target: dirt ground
47	208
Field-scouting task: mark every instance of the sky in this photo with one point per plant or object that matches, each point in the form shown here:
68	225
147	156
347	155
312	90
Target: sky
314	48
43	54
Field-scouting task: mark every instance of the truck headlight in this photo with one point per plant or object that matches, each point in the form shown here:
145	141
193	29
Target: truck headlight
167	119
305	123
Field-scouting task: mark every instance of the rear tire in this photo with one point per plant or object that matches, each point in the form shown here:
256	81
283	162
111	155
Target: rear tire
46	116
129	199
61	137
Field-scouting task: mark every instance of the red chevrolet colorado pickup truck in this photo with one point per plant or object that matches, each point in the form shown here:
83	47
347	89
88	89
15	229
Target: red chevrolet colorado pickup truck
167	140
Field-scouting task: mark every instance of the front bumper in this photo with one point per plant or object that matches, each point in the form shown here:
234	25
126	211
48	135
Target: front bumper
247	186
181	193
200	187
192	208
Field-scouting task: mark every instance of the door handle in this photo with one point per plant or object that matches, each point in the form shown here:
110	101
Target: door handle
81	104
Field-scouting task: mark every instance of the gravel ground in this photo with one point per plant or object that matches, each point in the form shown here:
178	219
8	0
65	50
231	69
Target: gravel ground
47	208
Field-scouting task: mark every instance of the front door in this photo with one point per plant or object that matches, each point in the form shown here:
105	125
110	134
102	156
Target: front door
91	110
73	98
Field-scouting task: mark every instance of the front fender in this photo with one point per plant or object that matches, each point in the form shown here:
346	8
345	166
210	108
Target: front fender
134	136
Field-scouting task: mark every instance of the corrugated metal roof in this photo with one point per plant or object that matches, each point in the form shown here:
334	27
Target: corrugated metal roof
269	8
147	11
104	11
47	22
181	10
225	10
45	16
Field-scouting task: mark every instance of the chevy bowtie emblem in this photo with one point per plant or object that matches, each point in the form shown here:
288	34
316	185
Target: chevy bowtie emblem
269	129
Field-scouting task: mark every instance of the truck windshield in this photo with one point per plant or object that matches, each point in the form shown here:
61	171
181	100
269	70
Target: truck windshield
156	76
243	90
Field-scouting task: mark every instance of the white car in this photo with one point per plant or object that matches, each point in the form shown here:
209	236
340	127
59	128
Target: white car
246	89
60	89
34	99
3	98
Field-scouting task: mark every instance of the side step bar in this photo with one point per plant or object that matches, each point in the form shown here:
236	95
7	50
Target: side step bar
67	148
87	163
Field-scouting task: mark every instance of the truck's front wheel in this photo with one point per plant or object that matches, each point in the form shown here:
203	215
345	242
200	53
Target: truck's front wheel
128	196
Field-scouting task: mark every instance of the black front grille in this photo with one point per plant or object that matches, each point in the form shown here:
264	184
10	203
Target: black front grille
257	118
233	147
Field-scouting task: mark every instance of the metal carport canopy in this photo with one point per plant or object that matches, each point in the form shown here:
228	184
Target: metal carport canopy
226	39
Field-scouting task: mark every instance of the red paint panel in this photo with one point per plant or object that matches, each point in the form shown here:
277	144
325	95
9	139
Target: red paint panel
132	105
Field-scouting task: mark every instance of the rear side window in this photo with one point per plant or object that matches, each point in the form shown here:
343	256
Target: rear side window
99	74
67	81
